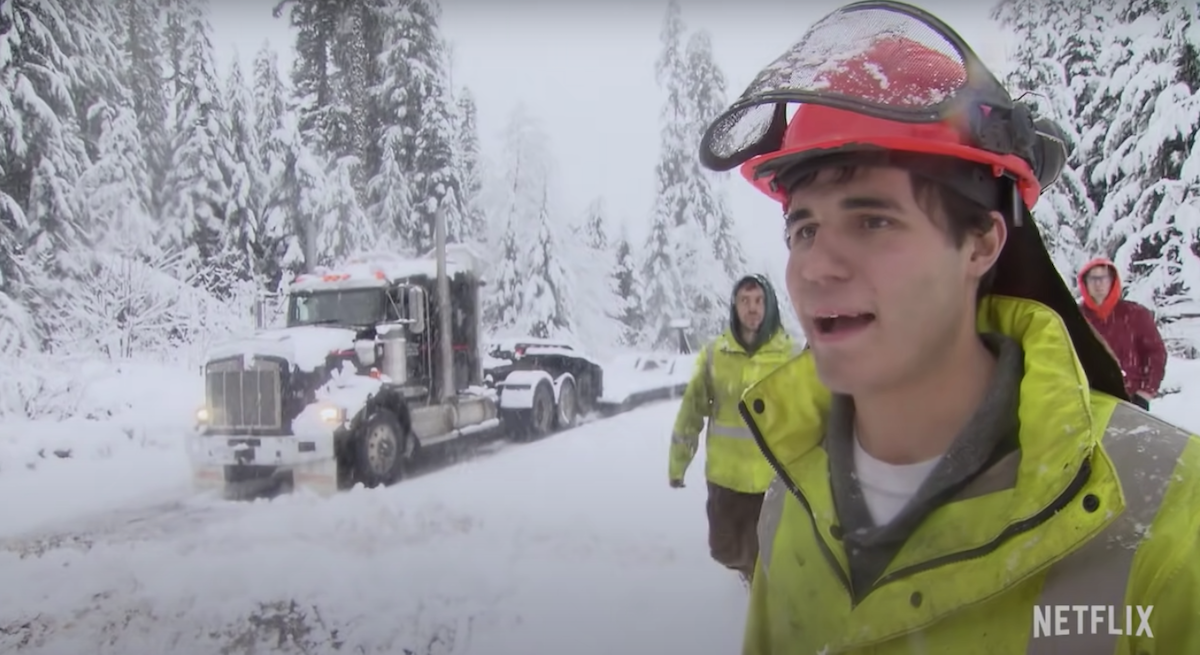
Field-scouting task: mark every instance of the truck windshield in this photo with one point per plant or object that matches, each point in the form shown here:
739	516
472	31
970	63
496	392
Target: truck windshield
340	307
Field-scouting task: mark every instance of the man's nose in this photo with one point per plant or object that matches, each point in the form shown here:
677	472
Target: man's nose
823	259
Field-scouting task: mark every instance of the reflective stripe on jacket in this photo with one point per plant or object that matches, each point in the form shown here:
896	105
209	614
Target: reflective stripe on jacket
723	371
1096	508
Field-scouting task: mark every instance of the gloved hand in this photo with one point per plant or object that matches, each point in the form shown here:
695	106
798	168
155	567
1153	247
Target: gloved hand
677	484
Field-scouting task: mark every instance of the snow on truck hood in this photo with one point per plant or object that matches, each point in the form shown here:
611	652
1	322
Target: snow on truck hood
304	347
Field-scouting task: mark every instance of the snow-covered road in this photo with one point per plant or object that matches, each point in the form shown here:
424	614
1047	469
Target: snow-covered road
574	544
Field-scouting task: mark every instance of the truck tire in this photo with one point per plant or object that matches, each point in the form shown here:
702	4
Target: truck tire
382	450
568	406
585	394
535	422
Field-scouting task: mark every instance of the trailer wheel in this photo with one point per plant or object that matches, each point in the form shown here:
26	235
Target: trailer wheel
585	394
542	414
535	422
381	451
568	404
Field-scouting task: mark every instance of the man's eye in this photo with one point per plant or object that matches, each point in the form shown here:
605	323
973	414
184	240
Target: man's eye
876	222
802	231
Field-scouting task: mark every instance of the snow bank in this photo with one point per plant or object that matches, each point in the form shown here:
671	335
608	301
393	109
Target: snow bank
1181	403
125	444
639	373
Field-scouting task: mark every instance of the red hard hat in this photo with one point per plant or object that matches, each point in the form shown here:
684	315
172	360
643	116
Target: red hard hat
894	72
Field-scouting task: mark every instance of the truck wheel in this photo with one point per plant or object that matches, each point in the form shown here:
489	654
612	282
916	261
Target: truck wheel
543	412
568	404
535	422
381	451
585	395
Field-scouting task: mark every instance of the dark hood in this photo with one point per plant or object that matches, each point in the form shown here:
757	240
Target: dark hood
771	322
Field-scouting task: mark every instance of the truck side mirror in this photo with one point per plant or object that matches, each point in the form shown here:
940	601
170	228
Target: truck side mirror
416	310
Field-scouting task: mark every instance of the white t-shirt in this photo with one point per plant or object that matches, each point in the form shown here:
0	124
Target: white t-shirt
887	488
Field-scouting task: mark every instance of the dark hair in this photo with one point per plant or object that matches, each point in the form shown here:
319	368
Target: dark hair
747	283
964	215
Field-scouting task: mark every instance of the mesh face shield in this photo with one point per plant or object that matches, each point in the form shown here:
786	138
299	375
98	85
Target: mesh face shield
892	62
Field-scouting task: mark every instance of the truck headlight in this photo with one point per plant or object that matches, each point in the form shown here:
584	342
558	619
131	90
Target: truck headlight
202	415
331	415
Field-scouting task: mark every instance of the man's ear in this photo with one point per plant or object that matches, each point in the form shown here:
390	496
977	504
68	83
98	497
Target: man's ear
986	246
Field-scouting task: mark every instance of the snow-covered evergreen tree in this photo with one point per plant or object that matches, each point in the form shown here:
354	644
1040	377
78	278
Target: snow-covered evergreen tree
710	278
247	188
345	228
415	93
198	182
665	292
597	307
315	25
624	278
296	202
547	293
470	166
1148	161
115	189
1054	70
349	57
270	104
43	157
143	76
518	196
96	32
692	253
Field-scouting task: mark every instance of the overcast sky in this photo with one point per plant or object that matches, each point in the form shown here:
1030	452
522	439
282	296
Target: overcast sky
586	69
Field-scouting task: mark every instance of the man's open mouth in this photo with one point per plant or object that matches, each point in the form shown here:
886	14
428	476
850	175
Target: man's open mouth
843	322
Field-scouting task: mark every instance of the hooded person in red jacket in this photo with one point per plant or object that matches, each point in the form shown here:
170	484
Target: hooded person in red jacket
1128	328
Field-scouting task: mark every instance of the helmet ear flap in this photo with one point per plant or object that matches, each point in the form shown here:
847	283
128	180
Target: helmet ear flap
1050	152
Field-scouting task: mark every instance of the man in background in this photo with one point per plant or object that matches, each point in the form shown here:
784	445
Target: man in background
738	475
1128	328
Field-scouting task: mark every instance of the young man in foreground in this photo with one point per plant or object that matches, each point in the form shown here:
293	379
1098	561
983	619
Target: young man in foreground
736	472
957	468
1128	328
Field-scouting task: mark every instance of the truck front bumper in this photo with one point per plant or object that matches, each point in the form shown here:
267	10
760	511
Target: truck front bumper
245	463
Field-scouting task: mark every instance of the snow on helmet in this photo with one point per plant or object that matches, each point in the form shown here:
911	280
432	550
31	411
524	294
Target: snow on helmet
883	75
880	76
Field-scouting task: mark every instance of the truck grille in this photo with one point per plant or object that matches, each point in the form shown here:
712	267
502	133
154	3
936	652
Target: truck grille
243	396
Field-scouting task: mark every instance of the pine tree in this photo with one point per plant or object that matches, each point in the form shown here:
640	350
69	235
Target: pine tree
316	24
115	189
345	228
624	278
296	202
199	179
96	54
665	292
43	157
1054	71
144	78
597	307
519	199
350	57
176	15
711	277
269	100
470	167
1150	219
247	190
547	292
415	83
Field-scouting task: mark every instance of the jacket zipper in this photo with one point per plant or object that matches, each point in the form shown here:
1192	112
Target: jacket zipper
795	491
1012	530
